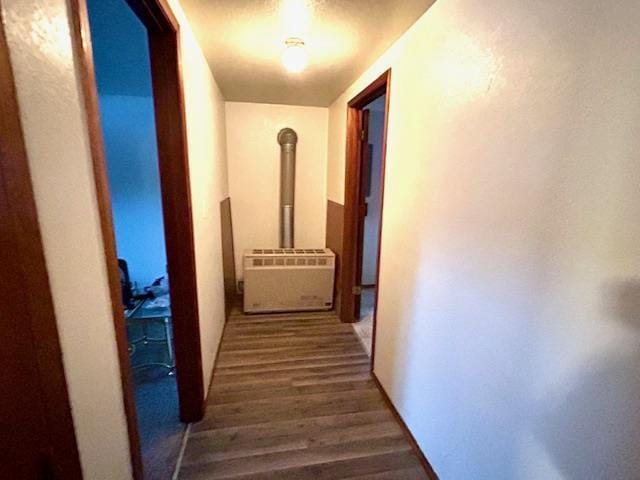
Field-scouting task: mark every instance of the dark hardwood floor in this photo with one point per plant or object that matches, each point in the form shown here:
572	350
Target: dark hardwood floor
292	398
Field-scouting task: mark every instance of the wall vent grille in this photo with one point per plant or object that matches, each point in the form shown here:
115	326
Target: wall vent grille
288	279
288	251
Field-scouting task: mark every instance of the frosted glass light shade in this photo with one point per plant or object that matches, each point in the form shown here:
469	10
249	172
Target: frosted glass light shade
294	56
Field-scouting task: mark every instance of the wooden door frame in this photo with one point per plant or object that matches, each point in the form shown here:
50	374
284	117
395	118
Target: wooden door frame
350	248
23	219
164	48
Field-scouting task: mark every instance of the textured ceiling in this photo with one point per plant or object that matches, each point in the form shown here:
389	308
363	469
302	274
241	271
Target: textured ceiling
243	41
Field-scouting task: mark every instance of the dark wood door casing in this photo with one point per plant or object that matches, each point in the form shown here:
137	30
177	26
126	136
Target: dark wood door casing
38	437
351	263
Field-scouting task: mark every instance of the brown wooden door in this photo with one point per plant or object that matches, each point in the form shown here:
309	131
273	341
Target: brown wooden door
363	189
37	439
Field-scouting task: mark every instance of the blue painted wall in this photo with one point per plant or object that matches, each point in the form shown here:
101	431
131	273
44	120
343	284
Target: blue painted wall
121	56
120	49
372	220
130	143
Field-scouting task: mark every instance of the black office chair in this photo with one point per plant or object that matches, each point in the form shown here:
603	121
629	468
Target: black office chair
125	284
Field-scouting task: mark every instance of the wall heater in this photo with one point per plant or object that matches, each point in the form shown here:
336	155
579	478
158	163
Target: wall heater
288	279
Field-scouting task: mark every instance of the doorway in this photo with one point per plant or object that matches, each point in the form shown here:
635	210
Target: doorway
364	196
160	28
127	117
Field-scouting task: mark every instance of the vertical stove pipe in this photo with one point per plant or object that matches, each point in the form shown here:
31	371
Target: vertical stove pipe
287	139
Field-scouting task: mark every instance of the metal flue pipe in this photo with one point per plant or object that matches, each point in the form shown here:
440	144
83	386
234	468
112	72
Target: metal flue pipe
287	139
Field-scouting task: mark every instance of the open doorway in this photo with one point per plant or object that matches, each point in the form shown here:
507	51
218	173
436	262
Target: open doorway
373	119
127	117
364	197
162	55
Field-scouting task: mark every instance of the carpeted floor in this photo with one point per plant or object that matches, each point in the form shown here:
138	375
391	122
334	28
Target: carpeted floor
159	424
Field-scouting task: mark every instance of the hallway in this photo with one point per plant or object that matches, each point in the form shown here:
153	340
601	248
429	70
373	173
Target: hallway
292	398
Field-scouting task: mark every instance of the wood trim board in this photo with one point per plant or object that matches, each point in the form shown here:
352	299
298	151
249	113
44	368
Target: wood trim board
333	241
350	226
405	429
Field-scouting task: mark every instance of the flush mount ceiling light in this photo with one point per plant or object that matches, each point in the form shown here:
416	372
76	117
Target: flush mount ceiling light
294	56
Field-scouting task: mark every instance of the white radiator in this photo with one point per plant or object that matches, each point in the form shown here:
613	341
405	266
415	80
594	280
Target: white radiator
288	279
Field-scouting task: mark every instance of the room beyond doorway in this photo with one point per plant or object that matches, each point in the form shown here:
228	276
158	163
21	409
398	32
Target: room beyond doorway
127	117
371	184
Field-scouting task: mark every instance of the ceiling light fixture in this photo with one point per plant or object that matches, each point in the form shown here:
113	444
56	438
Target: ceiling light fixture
294	57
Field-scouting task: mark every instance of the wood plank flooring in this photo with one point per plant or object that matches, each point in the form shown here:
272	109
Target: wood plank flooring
292	398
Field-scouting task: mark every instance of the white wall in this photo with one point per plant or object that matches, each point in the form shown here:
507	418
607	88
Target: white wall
54	124
254	174
510	274
206	140
128	124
